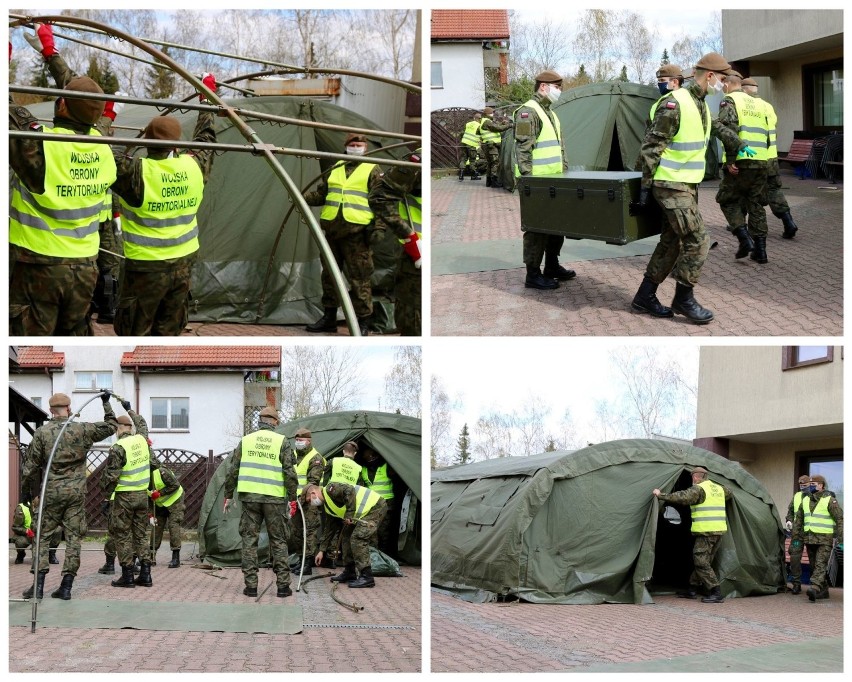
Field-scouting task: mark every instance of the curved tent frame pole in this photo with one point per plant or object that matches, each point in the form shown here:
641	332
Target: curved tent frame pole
262	149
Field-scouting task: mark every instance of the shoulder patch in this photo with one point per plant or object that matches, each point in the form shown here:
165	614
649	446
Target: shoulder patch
723	103
671	105
525	114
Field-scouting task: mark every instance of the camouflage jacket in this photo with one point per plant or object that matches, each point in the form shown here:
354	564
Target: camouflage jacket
664	127
338	227
18	527
729	118
316	467
343	495
287	465
496	126
384	201
527	129
117	457
693	495
68	468
834	511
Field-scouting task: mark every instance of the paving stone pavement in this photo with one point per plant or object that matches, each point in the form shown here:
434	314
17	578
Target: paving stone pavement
798	293
394	601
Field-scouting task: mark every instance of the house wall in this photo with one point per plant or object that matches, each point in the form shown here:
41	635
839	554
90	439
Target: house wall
464	77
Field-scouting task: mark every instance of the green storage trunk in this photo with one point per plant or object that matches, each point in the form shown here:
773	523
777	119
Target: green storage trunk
586	205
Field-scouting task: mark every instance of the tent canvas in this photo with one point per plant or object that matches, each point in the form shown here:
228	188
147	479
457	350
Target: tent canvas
395	437
584	528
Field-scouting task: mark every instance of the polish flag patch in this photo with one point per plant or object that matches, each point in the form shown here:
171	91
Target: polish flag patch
525	114
671	105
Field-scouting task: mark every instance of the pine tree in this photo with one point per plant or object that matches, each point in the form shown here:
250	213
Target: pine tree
463	446
623	76
665	58
551	445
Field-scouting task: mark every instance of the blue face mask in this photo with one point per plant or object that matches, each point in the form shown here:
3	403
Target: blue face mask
811	488
663	88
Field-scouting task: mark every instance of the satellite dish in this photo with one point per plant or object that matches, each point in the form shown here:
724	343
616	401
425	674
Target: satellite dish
672	515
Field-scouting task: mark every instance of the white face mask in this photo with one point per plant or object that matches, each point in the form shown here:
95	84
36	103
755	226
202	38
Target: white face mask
316	502
301	444
554	93
716	86
355	151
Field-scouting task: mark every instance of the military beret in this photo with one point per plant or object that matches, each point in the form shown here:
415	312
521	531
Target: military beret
84	110
817	478
350	445
59	400
713	61
269	412
735	74
750	81
669	71
124	419
354	137
305	433
699	470
488	111
548	77
804	479
163	128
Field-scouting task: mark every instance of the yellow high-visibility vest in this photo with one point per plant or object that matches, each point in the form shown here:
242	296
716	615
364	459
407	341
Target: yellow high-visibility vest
302	469
818	520
28	517
547	153
753	127
159	485
683	159
136	472
471	138
260	464
412	214
488	135
381	483
351	193
344	470
365	500
709	516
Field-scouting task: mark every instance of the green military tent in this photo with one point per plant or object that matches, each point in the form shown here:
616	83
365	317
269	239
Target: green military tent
395	437
584	528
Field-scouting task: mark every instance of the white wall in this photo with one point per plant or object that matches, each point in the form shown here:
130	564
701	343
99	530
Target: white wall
464	76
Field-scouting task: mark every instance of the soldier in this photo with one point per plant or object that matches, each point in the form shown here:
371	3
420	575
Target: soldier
470	142
669	79
742	191
709	524
777	201
796	546
65	492
362	512
346	219
56	194
105	299
339	470
819	524
310	466
160	195
490	131
169	508
125	480
379	477
672	163
539	151
24	522
261	471
396	203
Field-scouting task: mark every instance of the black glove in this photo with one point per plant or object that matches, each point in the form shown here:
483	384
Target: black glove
641	205
105	507
126	405
105	396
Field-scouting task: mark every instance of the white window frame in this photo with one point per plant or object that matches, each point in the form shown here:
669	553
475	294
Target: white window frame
169	414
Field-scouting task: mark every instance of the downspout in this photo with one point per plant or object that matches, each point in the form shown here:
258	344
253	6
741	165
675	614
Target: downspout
136	387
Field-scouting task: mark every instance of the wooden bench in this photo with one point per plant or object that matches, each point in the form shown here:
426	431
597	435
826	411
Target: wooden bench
800	152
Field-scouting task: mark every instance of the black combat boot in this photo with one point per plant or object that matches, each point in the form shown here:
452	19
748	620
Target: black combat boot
691	592
797	588
109	565
746	243
64	589
284	591
39	592
476	176
535	280
461	174
366	579
19	557
715	596
327	323
308	570
250	590
364	325
554	270
646	301
126	579
823	594
175	562
51	557
144	577
684	303
348	574
790	227
759	253
488	182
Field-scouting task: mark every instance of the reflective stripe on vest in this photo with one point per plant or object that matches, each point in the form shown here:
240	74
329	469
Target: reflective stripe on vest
470	138
709	516
344	470
415	217
365	500
302	469
771	128
28	517
547	153
63	222
683	158
136	472
753	128
818	520
488	135
159	485
351	192
165	225
106	211
381	484
260	464
797	501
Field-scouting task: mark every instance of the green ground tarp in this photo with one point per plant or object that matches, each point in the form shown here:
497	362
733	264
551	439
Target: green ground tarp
395	437
584	528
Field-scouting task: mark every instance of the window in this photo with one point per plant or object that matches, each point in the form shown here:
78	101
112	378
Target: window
92	381
802	356
437	75
170	414
36	400
824	96
827	463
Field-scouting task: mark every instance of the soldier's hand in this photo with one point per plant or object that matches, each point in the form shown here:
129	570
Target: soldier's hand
641	204
746	151
126	405
209	81
293	507
105	396
411	246
788	525
656	492
226	506
156	495
112	109
732	169
30	533
42	40
318	558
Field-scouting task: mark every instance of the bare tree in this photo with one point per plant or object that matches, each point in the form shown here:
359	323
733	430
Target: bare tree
441	422
494	437
537	46
385	41
403	382
593	44
687	50
319	380
638	41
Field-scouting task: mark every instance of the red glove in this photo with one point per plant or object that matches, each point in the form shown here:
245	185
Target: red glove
10	51
30	533
111	109
293	508
155	495
411	246
45	35
209	81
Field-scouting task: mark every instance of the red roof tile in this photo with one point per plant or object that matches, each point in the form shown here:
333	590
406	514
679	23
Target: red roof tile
470	24
40	357
202	356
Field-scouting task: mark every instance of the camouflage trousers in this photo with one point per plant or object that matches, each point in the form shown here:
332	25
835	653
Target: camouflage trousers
683	244
109	546
313	522
51	300
819	554
170	518
796	553
128	526
467	157
774	196
492	155
275	516
23	542
538	244
407	293
154	303
742	198
359	536
354	257
703	552
63	507
385	535
332	527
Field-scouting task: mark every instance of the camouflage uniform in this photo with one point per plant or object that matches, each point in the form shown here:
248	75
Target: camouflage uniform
313	516
19	530
818	544
350	246
797	549
683	245
155	293
706	544
386	536
359	536
65	494
492	149
109	268
257	508
384	200
128	521
170	517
